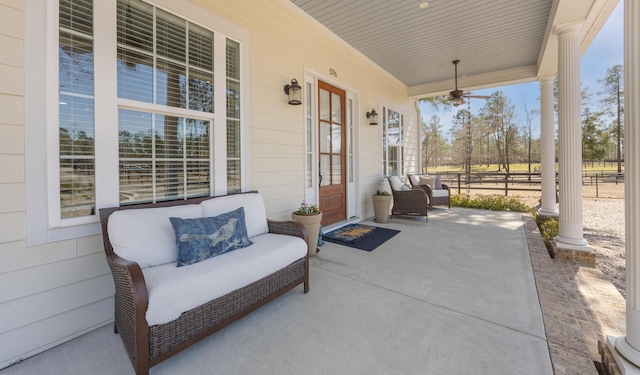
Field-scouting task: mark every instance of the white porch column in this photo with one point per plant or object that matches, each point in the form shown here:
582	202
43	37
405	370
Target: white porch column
547	149
569	139
629	346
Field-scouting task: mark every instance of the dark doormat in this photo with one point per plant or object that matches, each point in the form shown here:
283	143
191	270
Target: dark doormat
360	236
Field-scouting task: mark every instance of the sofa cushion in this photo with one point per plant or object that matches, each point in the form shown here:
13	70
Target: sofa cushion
145	235
254	211
173	290
207	237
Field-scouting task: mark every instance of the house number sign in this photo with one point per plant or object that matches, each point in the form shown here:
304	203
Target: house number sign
333	73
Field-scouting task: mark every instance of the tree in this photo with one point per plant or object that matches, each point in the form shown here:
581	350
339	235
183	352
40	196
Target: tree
462	121
528	132
594	138
613	102
433	142
498	113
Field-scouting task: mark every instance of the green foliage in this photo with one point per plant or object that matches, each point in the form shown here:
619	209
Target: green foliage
307	209
548	227
594	138
489	202
382	192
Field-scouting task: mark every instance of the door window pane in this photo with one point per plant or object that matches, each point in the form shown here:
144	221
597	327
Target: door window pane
336	108
325	105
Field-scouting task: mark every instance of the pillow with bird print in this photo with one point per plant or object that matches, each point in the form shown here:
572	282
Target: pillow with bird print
207	237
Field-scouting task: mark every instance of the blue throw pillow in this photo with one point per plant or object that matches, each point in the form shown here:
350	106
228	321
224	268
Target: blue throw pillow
203	238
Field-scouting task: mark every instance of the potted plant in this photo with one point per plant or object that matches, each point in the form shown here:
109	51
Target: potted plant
309	215
381	206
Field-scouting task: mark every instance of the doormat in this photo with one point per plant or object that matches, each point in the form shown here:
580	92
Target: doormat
360	236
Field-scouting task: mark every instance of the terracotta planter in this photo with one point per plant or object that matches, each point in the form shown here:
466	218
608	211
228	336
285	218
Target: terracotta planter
311	223
381	207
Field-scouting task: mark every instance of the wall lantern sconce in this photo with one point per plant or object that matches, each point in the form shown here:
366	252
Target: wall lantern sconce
373	117
294	91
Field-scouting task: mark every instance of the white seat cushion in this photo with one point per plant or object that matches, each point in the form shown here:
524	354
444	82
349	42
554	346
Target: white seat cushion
173	290
145	235
440	193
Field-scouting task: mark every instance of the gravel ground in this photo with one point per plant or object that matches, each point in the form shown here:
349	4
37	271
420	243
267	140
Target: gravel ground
604	230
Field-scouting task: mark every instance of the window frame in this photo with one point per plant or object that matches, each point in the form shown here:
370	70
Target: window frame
385	144
43	222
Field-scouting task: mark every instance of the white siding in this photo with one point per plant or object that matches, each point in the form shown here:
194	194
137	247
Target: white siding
51	293
281	50
54	292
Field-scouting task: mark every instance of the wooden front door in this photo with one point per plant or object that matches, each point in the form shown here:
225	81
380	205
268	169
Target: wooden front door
331	153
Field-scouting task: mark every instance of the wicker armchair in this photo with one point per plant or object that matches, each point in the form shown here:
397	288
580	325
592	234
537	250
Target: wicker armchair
441	197
414	202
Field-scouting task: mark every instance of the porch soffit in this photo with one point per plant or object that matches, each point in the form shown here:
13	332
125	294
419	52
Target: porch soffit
498	42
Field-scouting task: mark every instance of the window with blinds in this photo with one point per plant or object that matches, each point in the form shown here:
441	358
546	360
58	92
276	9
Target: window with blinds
233	117
156	122
167	61
76	109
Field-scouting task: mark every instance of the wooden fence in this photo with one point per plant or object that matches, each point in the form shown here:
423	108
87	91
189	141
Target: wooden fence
593	182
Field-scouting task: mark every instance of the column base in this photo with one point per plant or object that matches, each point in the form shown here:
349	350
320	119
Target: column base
572	252
548	212
622	352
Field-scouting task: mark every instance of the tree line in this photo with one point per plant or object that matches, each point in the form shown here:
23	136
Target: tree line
500	135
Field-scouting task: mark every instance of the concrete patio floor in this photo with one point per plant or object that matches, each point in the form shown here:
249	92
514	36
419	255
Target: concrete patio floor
469	292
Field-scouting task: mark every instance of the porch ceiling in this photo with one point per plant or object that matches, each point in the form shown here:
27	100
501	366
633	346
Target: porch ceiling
498	42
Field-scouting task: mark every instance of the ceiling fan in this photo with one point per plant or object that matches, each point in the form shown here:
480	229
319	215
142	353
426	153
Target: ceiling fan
456	97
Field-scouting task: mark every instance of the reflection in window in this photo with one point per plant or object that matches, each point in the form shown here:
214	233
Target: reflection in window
180	74
165	60
233	117
76	109
162	157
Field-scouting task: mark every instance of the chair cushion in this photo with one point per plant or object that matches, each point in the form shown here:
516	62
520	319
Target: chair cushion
405	187
396	183
415	179
207	237
254	210
173	290
145	235
427	180
440	193
437	183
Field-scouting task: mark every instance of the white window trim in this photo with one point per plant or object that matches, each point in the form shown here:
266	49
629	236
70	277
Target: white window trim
41	114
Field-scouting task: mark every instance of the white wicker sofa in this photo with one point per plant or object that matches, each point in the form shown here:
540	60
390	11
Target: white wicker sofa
162	308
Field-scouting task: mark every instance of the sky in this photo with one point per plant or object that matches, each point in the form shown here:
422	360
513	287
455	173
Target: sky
605	51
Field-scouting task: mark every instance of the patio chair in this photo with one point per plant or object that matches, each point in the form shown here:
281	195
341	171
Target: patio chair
439	194
408	201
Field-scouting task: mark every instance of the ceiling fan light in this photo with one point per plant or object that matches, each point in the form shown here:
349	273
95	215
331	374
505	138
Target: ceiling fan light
457	101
